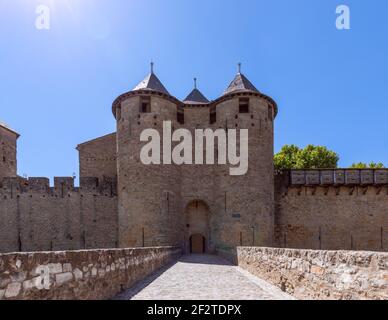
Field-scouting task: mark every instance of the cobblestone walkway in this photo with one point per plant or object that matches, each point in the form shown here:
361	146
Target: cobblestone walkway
203	277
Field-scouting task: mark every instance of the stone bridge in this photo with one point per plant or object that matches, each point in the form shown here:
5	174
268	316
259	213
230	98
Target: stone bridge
163	273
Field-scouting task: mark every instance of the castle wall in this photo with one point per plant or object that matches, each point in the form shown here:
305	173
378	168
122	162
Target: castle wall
36	217
97	158
332	210
8	163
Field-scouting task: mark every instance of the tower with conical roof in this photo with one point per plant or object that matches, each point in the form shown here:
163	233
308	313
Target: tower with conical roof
152	83
249	199
240	83
148	194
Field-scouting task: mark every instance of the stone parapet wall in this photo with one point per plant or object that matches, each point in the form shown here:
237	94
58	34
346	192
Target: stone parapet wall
322	275
339	177
78	275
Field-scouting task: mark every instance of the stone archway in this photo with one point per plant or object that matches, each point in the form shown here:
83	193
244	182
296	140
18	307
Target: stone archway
197	236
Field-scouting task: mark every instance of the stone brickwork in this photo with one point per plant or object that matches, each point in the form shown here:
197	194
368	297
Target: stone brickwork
128	204
155	201
332	209
323	275
78	275
8	162
37	217
97	158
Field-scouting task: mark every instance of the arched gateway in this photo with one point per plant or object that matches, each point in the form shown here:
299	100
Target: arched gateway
197	237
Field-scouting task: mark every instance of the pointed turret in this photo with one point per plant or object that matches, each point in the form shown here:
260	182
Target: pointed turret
240	83
151	82
196	96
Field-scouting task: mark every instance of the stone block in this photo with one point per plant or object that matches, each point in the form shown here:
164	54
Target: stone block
77	274
327	177
54	268
367	177
317	270
63	278
5	281
67	267
339	177
65	183
381	176
298	177
39	184
13	290
352	177
313	177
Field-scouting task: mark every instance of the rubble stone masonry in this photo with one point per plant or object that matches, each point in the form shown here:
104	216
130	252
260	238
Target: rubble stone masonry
78	275
322	275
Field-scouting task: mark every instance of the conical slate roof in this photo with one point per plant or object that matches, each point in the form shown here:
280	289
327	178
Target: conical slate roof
240	83
151	82
196	96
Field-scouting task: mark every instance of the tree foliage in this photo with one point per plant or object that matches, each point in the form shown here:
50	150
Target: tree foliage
311	157
362	165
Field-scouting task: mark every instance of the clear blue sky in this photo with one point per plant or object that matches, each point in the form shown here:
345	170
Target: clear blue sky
57	86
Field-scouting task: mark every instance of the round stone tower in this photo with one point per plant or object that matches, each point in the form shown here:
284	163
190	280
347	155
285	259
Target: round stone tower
246	202
149	195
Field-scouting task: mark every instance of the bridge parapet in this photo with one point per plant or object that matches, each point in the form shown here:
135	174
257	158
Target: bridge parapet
78	275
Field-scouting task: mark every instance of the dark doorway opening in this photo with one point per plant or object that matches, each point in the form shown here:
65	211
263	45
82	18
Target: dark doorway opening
197	244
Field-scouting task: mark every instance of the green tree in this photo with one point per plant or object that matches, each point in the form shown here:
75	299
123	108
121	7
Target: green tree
287	158
311	157
362	165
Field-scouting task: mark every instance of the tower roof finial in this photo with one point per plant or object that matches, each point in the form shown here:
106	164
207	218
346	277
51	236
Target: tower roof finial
152	67
196	96
239	67
151	82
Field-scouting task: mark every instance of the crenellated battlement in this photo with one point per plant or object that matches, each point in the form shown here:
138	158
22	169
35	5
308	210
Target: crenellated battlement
62	185
40	217
337	177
